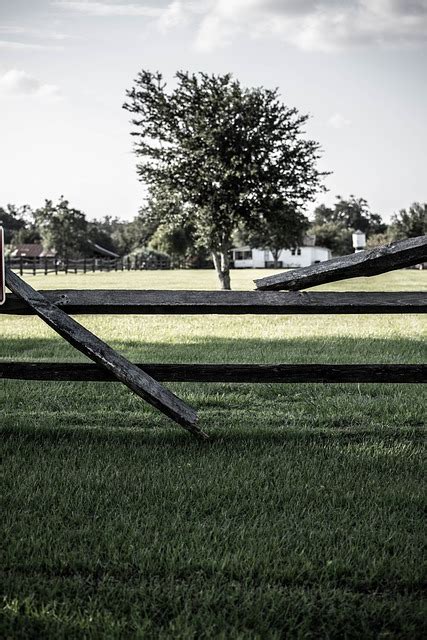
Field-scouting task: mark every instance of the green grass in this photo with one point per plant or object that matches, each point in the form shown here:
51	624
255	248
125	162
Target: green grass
303	518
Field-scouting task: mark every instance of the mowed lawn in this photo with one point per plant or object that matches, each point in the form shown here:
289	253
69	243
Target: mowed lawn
302	518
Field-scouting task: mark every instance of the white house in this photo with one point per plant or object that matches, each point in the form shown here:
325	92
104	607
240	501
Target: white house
304	256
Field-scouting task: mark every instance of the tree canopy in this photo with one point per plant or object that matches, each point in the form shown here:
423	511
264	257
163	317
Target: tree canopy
13	219
231	154
62	228
333	226
411	222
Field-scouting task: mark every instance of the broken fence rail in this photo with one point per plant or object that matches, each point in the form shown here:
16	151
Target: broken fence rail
397	255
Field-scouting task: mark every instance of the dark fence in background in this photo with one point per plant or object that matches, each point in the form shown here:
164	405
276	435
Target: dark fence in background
37	266
85	265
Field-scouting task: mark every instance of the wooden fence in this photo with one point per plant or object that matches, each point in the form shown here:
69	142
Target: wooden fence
230	303
55	308
45	266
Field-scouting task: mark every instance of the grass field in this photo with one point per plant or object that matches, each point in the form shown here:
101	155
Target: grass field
303	518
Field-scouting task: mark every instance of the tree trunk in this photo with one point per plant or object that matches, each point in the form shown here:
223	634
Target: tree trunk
221	261
276	254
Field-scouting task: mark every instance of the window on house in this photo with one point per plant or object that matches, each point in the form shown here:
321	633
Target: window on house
242	255
298	252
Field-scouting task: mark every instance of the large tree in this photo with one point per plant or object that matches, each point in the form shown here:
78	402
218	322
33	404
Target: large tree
228	152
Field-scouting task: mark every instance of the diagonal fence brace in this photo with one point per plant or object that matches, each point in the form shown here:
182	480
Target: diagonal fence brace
125	371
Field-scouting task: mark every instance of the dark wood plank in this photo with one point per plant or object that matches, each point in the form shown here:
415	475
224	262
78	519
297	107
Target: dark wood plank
126	372
224	302
396	255
254	373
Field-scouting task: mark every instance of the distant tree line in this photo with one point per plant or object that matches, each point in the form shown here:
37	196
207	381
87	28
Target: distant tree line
67	230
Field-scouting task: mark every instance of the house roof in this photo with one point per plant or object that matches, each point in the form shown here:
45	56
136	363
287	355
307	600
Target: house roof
32	250
103	251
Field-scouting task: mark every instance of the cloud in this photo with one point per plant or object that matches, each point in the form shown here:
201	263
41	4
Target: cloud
315	25
13	45
44	39
16	82
338	121
311	25
174	14
14	30
105	9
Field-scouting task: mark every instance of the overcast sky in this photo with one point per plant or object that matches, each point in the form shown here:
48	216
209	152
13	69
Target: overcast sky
357	66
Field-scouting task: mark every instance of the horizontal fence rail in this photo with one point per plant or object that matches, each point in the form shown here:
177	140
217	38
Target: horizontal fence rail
224	302
250	373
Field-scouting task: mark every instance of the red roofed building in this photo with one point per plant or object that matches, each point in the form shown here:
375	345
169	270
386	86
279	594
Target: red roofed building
32	251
